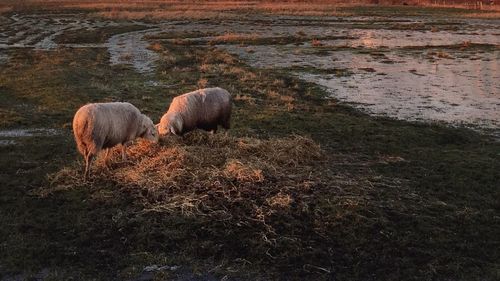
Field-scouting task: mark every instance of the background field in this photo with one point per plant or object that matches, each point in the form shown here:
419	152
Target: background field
301	187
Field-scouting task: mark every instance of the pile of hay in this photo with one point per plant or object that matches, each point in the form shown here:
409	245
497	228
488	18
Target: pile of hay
211	175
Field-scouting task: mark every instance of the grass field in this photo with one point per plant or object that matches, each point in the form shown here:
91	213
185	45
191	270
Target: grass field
301	188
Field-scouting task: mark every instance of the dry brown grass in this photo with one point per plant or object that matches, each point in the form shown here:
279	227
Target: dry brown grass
273	94
156	47
202	158
234	38
245	98
170	9
5	9
126	56
439	54
304	8
491	15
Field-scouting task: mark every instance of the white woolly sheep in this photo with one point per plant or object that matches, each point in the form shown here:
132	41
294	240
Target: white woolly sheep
98	126
204	109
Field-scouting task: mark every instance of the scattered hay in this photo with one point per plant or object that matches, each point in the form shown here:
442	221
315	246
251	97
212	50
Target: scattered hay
280	200
243	172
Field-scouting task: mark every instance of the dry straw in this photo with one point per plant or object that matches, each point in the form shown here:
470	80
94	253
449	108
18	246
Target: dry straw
217	176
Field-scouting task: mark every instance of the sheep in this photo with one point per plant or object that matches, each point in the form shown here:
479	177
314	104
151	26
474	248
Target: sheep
204	109
98	126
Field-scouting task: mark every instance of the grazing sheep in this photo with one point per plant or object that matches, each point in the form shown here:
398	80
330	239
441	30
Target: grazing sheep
98	126
204	109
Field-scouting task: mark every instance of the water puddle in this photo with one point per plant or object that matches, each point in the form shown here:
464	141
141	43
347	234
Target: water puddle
416	86
7	142
409	75
34	132
11	136
4	58
132	49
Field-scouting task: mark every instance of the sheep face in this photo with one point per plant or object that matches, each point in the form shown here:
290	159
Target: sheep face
149	131
163	129
169	125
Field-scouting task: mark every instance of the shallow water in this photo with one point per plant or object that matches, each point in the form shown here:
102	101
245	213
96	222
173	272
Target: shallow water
131	48
4	58
434	83
412	86
33	132
403	38
7	142
12	136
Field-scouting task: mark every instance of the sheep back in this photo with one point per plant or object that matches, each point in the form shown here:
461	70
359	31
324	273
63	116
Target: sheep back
204	109
104	125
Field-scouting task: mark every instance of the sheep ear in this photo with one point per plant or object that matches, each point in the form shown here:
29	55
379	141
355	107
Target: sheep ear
173	131
178	125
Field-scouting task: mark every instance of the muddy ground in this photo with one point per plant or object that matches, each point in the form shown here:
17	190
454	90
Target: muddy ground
405	107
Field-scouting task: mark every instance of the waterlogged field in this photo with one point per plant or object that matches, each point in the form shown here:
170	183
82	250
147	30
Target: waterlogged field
419	69
364	146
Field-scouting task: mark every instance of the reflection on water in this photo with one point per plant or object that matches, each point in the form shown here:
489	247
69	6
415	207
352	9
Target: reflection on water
408	38
455	91
411	86
427	82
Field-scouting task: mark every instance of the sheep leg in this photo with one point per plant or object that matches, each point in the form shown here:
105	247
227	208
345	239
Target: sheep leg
88	161
226	120
226	124
124	151
106	157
